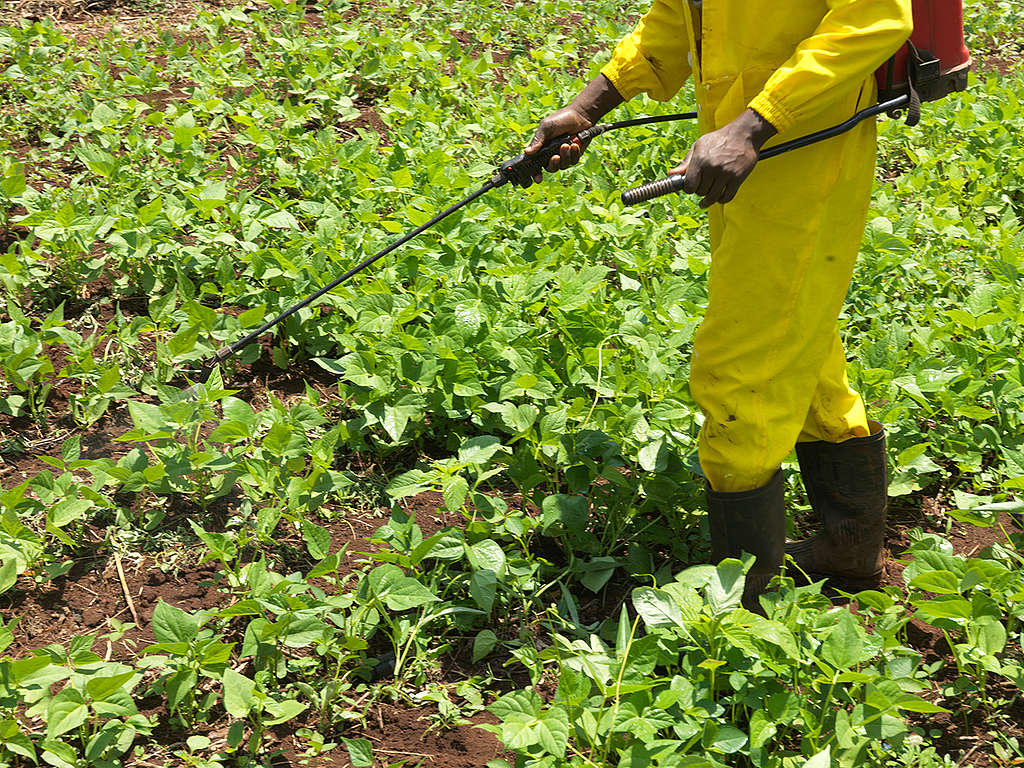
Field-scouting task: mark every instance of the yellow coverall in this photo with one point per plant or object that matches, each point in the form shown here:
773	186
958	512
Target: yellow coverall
768	367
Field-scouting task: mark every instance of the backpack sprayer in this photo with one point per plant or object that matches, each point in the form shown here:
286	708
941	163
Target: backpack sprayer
933	63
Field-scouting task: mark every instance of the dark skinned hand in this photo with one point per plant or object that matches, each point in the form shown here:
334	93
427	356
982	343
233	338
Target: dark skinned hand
596	99
568	120
719	162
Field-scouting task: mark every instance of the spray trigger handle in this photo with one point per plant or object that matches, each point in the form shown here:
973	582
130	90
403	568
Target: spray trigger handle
521	169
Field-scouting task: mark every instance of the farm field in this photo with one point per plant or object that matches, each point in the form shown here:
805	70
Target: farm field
448	515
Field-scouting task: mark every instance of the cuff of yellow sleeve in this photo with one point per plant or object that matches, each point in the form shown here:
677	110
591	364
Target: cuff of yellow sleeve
628	69
772	111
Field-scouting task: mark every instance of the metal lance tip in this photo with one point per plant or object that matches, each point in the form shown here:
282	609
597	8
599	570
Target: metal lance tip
192	392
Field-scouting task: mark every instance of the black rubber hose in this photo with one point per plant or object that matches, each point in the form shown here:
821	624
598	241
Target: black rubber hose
674	183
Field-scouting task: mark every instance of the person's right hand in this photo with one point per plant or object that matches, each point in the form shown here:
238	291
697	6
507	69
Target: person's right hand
566	120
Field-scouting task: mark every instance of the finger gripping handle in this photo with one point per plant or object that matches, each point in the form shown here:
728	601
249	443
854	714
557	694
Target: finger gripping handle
521	169
653	189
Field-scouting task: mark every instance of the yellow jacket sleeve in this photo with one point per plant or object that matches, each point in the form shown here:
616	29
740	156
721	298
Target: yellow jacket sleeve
853	39
654	58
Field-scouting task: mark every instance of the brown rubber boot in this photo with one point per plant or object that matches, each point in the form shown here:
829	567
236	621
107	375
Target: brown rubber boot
750	521
847	486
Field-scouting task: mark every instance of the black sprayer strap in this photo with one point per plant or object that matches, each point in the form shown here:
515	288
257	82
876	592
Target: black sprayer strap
674	183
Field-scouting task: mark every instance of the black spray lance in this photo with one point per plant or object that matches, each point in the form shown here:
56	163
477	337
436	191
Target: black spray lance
521	170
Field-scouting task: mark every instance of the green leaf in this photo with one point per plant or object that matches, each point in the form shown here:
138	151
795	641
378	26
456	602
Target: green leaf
283	711
725	588
398	591
479	450
483	644
67	711
172	624
409	484
552	731
12	184
68	511
656	607
487	555
12	738
8	574
596	572
102	115
101	687
178	687
59	754
454	490
822	759
483	586
360	752
318	539
729	739
239	695
146	417
211	197
939	581
943	608
560	513
844	647
280	220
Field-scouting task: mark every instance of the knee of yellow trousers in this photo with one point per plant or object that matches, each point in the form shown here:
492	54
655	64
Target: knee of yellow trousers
732	465
836	412
833	421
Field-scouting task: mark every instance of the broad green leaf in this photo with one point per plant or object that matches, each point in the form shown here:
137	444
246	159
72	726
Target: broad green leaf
656	607
100	687
102	115
398	591
67	711
318	539
171	624
940	582
280	220
725	588
943	608
483	587
597	571
283	711
68	511
178	687
822	759
729	739
454	490
489	555
560	512
8	574
479	450
844	647
409	484
483	644
360	752
239	693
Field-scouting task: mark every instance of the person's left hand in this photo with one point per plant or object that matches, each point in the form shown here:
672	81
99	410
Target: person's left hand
718	162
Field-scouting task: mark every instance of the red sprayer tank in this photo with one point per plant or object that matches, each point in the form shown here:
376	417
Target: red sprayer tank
937	58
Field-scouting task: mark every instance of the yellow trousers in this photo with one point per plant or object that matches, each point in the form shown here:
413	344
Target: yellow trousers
768	365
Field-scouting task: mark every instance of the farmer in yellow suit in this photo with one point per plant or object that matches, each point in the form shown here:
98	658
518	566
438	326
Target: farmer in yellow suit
768	368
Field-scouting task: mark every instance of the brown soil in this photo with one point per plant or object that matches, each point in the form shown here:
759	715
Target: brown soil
85	600
414	736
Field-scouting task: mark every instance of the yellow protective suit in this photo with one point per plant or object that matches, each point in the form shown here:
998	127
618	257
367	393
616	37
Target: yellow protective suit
768	365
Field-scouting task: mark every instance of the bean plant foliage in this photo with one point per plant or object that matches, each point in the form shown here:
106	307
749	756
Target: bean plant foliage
523	365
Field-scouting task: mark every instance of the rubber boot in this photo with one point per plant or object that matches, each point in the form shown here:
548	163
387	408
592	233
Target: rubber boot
847	486
750	521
